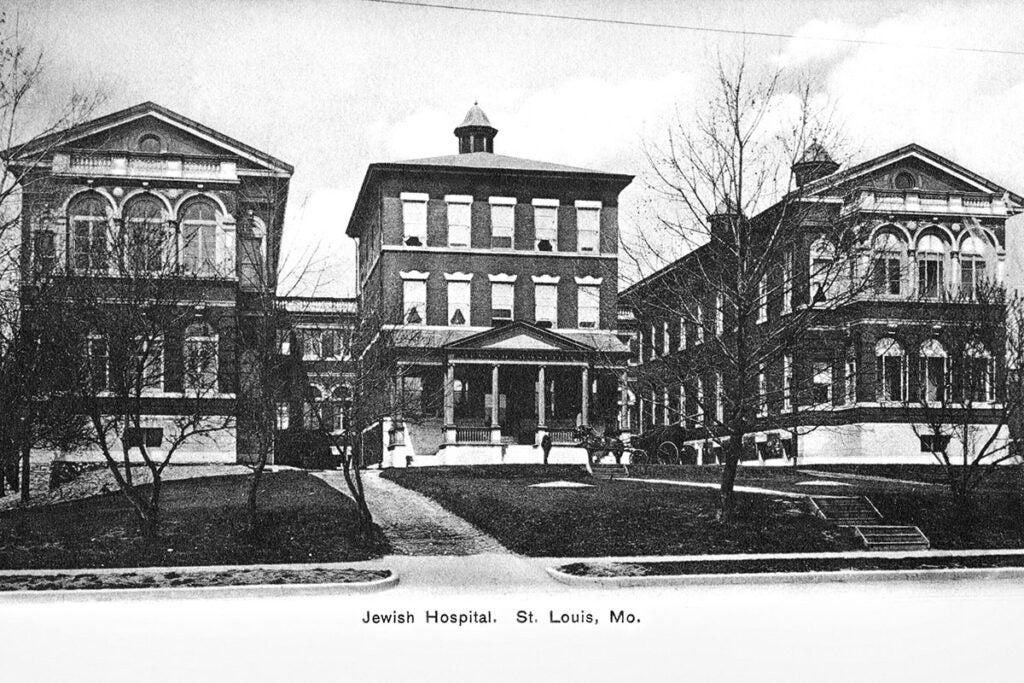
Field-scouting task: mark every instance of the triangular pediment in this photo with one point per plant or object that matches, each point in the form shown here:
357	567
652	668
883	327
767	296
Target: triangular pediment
123	131
928	171
517	336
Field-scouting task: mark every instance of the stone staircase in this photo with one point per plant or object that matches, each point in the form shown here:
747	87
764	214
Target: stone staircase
609	471
866	521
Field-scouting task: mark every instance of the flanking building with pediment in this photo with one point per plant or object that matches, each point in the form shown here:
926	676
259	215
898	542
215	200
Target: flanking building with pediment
491	284
146	193
930	235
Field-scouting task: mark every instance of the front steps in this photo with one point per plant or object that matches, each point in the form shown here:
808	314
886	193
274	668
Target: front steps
858	513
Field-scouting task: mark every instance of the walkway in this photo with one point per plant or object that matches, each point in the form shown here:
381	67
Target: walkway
415	524
710	485
438	551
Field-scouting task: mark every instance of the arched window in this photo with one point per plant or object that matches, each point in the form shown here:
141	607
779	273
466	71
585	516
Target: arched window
89	233
931	374
144	239
931	260
974	253
199	223
201	358
150	143
887	270
890	370
976	374
821	270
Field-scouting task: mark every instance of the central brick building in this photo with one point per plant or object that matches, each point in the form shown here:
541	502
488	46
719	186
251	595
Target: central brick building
489	287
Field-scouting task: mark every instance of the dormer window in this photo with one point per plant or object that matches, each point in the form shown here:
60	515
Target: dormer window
414	218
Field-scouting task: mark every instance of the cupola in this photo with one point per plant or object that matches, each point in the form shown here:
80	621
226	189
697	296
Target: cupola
813	164
476	134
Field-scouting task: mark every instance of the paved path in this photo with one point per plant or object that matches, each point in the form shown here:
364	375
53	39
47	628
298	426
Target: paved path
415	524
710	485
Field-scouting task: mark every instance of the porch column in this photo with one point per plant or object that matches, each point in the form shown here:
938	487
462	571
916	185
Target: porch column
450	435
624	425
541	397
541	406
495	427
585	397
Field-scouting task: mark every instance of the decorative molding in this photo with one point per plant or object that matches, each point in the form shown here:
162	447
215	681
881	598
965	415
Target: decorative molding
588	204
414	196
545	202
502	277
459	198
545	279
504	201
413	275
591	280
458	277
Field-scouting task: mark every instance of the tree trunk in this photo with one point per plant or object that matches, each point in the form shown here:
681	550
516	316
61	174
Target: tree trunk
26	452
727	491
252	497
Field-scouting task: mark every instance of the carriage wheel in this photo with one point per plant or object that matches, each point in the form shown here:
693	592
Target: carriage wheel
638	456
668	452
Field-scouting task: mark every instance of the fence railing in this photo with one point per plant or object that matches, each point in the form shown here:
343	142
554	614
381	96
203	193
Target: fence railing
472	434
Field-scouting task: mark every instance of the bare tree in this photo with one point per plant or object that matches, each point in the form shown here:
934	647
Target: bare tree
967	388
32	363
732	319
148	345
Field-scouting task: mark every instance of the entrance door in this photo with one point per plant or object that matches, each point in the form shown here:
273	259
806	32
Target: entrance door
519	387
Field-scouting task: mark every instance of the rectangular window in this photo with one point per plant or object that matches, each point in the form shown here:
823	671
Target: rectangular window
588	226
887	277
934	443
414	304
332	345
787	282
929	270
546	305
972	274
96	349
762	395
787	383
666	418
682	404
458	303
412	395
762	300
150	437
502	301
821	388
545	222
459	212
821	276
979	379
851	381
282	416
312	348
149	364
682	333
665	344
89	243
654	342
588	305
700	400
45	251
700	324
932	374
503	214
719	397
414	218
719	316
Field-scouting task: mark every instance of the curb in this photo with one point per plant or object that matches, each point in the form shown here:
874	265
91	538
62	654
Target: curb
201	592
767	578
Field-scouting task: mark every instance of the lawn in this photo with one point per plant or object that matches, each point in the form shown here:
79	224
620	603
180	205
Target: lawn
204	523
997	519
615	517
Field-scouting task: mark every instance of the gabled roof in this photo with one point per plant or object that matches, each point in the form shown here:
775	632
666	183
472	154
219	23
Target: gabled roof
913	150
519	336
68	136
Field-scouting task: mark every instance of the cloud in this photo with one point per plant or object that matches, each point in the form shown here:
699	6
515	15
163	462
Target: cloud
816	41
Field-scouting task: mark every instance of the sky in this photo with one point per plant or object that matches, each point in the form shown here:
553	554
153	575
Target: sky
332	87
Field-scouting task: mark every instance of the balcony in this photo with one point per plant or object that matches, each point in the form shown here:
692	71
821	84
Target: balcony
144	166
915	201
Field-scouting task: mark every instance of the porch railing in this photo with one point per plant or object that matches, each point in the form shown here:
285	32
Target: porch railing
473	434
561	436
